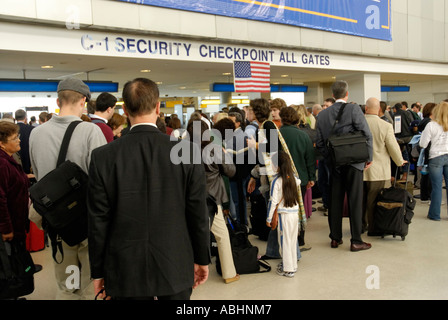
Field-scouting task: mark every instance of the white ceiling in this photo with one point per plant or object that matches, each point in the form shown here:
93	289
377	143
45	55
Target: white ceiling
178	78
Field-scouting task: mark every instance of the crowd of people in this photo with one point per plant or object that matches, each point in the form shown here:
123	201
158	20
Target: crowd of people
151	216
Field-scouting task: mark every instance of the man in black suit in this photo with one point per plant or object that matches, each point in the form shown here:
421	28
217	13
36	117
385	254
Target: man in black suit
148	221
25	131
348	178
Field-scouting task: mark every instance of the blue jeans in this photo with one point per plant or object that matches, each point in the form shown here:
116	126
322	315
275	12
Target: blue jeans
438	170
236	198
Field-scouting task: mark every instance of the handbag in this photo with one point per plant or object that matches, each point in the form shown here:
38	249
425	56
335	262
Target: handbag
347	148
16	270
274	221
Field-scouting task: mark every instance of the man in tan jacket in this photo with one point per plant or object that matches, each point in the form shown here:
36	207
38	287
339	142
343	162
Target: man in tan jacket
385	147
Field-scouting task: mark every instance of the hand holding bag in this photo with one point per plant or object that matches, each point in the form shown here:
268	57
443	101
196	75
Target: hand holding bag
347	148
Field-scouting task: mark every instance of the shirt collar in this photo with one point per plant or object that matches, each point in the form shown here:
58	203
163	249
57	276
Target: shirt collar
94	116
144	124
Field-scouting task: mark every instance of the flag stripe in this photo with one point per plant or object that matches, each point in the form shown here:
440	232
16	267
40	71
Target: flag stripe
252	76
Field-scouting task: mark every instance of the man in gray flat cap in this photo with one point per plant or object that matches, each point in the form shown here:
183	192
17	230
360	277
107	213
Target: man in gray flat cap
45	143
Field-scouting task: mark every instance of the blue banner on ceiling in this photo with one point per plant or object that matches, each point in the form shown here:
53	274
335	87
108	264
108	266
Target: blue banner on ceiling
364	18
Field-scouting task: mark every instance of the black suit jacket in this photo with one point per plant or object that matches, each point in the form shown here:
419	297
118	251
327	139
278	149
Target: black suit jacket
25	131
148	220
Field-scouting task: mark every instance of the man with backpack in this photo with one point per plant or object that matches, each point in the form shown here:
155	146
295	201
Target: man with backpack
45	143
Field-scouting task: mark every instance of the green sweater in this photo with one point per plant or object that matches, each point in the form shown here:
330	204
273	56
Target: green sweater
302	152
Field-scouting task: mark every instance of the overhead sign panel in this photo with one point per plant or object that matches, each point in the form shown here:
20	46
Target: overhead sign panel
364	18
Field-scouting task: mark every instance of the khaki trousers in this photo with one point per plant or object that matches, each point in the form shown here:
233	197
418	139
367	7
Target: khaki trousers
73	274
221	234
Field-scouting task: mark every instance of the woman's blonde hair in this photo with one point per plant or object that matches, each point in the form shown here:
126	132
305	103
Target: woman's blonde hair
441	115
301	112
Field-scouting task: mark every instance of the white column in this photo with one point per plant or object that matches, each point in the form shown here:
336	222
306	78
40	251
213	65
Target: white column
315	94
362	86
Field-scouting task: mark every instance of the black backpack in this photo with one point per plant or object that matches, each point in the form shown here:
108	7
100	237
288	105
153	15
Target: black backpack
245	255
60	197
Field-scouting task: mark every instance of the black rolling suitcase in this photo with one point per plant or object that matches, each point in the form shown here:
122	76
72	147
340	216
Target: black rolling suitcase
394	211
258	214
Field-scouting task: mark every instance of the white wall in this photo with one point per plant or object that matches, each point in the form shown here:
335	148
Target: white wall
419	27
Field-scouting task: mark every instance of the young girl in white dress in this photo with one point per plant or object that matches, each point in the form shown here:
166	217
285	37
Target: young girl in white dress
284	193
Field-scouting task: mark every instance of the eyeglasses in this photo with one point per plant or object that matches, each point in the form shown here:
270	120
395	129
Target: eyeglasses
16	138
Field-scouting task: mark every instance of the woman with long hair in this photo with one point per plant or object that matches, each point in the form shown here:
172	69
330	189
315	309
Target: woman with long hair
284	197
436	132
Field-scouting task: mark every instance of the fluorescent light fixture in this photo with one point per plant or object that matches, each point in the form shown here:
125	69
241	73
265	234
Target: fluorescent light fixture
47	67
218	101
210	101
145	70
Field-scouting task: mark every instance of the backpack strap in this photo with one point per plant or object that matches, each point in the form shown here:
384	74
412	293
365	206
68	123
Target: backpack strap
94	120
264	265
56	241
66	142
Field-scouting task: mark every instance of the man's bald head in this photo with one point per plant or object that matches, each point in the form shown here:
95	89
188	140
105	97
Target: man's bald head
372	106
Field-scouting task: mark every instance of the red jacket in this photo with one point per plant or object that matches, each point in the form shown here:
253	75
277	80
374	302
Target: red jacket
107	131
14	197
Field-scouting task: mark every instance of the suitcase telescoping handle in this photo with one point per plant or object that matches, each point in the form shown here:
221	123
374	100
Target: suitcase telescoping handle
407	176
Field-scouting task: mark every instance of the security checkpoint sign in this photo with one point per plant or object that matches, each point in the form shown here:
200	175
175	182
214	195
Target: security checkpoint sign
364	18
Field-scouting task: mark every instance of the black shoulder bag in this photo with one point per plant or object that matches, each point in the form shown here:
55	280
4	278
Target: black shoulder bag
16	270
60	197
347	148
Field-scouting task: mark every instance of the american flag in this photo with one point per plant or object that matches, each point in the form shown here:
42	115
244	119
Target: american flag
252	76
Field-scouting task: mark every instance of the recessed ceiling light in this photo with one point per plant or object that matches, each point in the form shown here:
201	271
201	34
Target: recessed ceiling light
145	70
284	76
226	73
47	67
182	88
159	82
